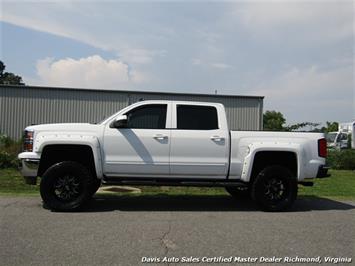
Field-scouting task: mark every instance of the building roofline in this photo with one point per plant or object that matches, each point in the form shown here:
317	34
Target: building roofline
131	91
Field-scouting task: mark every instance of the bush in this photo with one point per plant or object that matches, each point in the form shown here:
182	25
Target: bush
9	149
341	159
7	160
5	141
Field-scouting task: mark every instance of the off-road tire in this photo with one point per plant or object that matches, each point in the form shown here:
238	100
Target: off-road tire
53	178
95	186
274	188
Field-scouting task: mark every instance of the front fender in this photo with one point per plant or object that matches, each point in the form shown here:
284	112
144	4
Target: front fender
92	141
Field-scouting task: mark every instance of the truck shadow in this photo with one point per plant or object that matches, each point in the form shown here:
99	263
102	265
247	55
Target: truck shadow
196	203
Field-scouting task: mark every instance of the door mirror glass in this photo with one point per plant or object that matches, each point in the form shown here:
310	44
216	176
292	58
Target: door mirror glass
119	122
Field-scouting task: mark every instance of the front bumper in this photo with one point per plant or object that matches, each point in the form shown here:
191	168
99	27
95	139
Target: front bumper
323	171
28	169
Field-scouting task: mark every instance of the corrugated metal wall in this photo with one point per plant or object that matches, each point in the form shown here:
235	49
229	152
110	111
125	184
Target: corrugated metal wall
21	106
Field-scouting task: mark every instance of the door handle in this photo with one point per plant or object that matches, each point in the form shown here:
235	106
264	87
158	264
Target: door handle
217	138
160	137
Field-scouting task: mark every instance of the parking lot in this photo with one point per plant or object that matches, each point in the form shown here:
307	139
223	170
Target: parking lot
129	230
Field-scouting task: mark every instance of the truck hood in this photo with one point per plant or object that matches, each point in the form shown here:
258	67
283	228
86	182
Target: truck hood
65	127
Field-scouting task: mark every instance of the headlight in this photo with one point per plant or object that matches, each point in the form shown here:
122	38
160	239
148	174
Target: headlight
28	140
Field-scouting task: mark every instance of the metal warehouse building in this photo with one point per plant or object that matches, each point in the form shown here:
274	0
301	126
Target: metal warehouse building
21	106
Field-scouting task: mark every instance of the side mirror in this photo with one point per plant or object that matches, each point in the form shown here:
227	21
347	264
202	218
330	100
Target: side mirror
119	122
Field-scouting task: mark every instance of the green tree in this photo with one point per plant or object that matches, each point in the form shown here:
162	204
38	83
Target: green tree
330	127
7	78
273	120
302	125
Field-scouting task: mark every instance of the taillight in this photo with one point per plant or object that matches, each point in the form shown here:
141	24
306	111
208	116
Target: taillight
322	148
28	141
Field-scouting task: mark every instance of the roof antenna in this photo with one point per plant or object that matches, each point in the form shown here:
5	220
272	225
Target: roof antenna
215	91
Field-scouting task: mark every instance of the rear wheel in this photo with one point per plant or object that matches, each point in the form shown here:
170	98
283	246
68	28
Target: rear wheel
66	186
274	188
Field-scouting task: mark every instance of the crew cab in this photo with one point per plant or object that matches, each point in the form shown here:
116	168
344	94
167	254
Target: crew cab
173	143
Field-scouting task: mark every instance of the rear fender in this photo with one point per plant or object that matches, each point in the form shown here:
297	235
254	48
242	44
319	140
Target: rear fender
254	148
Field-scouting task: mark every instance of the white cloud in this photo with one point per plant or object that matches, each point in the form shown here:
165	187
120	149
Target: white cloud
36	23
309	81
276	13
219	65
140	56
89	72
266	14
196	61
328	20
311	93
82	21
215	65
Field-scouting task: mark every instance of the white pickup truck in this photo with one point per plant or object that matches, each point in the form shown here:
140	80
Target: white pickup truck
173	143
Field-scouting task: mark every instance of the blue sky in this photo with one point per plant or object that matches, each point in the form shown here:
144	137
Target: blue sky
298	54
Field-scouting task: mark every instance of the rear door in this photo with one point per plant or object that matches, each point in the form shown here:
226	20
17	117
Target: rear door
199	143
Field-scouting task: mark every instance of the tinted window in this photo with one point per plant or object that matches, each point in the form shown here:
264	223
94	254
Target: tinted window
196	117
148	116
343	137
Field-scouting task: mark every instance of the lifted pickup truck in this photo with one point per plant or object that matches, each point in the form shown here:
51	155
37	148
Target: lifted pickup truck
173	143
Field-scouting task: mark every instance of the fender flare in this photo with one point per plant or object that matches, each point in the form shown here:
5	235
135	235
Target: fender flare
254	148
43	140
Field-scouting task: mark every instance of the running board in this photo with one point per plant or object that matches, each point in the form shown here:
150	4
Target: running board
306	183
173	182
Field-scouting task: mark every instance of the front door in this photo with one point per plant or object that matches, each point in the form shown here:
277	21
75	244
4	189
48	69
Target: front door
142	148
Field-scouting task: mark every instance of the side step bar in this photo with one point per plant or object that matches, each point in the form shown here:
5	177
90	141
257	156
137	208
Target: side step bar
173	182
306	183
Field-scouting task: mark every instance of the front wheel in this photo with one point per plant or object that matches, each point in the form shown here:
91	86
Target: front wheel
95	186
274	188
66	186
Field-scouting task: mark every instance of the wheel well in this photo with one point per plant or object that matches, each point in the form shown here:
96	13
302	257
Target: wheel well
267	158
53	154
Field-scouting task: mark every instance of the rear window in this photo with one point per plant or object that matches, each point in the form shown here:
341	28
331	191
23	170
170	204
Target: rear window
197	117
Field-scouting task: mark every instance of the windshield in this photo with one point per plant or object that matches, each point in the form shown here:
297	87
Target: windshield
331	137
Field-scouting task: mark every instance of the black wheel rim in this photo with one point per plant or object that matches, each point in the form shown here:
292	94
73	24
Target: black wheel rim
67	188
275	189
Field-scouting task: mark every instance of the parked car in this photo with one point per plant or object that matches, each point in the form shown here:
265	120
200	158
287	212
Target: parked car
337	140
343	138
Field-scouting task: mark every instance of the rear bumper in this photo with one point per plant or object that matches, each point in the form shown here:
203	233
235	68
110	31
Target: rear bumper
323	171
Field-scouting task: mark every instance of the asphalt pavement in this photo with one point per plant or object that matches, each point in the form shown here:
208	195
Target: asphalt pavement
193	230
